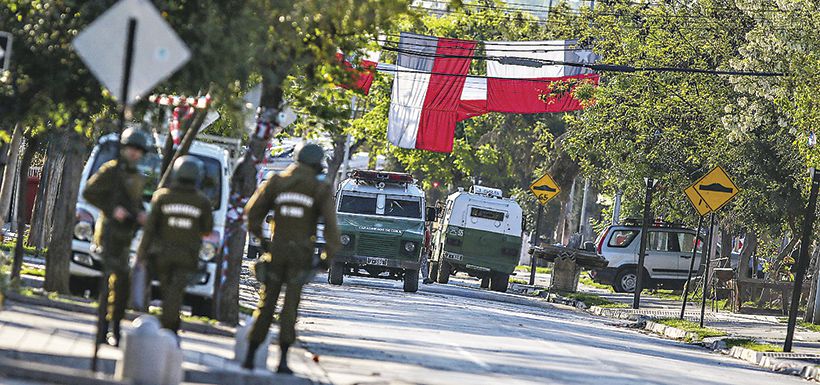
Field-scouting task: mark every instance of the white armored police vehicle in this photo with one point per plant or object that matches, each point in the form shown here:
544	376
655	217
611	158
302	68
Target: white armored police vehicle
381	224
86	267
479	234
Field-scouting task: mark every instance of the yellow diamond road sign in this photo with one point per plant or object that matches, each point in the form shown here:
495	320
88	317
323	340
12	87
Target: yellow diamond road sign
700	205
716	188
545	189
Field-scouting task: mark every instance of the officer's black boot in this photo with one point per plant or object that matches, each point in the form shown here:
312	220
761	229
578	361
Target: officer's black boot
249	358
283	360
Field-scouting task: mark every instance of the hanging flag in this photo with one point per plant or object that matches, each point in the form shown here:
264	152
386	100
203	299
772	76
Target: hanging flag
521	80
473	98
426	97
361	77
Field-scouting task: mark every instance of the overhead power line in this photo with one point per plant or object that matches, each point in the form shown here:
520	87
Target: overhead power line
531	62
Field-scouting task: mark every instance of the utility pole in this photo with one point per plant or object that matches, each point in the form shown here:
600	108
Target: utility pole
647	217
803	261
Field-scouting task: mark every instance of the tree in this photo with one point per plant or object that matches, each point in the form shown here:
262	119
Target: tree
301	42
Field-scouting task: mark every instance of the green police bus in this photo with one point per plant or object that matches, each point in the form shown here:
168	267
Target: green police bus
381	224
479	234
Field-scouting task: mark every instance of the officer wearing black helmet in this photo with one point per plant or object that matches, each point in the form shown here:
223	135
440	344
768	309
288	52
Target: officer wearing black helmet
180	215
298	197
116	189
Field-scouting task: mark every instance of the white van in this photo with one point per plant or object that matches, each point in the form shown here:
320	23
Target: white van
86	267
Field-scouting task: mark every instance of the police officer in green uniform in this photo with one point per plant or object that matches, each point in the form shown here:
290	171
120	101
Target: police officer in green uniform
298	197
180	216
116	189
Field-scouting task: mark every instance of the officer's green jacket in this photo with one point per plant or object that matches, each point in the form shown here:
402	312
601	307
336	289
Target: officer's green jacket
178	219
115	184
298	198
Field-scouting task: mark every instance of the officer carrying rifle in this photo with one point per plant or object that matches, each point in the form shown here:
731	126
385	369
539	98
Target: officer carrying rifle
116	190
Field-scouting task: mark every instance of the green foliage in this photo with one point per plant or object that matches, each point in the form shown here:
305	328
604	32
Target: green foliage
751	344
501	150
692	327
590	299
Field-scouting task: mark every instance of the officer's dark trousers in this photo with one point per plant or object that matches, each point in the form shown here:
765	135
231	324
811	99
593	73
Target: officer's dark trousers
172	284
119	287
289	273
115	259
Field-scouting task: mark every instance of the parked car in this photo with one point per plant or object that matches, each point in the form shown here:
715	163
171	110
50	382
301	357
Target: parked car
669	254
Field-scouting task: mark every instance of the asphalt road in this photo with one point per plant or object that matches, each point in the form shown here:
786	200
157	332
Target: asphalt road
371	332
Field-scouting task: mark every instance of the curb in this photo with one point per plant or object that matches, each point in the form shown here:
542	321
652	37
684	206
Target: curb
52	374
780	362
12	297
669	331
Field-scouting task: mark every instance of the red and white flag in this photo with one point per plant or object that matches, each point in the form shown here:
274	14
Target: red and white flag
520	79
361	76
427	89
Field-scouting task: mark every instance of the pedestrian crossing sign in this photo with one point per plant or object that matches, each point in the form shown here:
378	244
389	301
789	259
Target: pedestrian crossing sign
545	189
716	188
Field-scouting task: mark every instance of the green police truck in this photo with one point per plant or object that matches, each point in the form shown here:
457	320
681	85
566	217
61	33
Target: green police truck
381	224
479	234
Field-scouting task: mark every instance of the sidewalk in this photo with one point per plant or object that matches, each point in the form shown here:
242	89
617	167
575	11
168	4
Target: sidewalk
32	336
764	328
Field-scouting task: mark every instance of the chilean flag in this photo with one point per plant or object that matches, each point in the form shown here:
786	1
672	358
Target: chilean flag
361	78
427	89
519	82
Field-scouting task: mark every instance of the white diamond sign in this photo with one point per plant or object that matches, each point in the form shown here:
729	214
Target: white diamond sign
158	51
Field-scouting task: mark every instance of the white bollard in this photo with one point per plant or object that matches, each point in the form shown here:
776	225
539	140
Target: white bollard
260	359
174	375
150	355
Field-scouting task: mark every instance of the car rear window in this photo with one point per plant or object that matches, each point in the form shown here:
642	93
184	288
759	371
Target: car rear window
486	214
622	238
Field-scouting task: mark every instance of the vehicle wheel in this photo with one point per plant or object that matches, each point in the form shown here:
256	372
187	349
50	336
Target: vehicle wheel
626	280
485	282
201	306
432	272
411	281
443	275
499	282
336	274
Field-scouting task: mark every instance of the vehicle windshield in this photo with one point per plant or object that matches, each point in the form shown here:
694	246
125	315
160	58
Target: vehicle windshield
150	166
394	206
355	204
402	207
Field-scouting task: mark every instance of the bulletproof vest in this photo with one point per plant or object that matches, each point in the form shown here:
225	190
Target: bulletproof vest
296	207
183	216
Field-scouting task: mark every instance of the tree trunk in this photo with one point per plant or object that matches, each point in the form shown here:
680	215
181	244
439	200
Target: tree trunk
726	245
46	193
10	173
243	184
58	259
811	275
335	162
25	165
